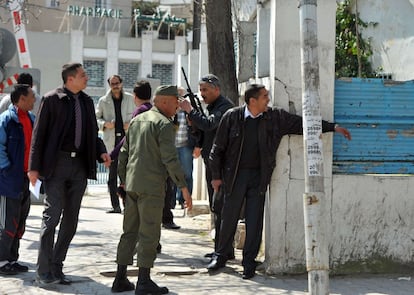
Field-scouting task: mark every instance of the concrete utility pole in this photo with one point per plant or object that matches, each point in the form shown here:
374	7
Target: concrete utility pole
314	202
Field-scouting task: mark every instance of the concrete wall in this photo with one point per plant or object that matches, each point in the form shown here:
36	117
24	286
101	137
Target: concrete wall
49	51
392	37
371	226
372	223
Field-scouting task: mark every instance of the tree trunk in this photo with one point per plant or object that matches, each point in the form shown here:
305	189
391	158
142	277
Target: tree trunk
196	24
220	44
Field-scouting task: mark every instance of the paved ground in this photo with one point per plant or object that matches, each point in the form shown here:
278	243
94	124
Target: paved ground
180	266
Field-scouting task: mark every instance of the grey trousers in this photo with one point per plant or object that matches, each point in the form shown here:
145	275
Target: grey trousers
64	191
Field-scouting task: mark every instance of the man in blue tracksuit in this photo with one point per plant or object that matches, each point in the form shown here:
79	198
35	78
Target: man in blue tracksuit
16	125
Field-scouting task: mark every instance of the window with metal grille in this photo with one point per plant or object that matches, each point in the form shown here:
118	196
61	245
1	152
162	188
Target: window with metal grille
52	3
129	73
163	72
96	72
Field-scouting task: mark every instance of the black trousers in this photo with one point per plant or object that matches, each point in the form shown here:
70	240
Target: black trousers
13	215
246	188
113	183
63	196
170	189
217	209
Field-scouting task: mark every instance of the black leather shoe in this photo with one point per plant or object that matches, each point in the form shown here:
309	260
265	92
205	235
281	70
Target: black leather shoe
171	225
209	255
8	269
216	262
149	287
19	267
248	273
231	256
63	280
116	210
46	279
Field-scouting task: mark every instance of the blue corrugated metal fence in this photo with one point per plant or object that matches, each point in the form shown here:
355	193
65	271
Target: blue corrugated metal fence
380	115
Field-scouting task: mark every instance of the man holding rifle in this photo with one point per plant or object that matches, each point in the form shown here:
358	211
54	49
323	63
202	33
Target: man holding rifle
209	86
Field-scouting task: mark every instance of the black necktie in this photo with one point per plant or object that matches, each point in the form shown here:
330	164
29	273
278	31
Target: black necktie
78	122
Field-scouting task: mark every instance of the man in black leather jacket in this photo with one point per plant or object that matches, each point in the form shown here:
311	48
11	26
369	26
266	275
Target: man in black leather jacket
217	105
242	160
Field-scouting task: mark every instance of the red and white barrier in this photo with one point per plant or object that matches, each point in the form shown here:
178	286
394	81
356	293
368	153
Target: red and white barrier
20	34
9	82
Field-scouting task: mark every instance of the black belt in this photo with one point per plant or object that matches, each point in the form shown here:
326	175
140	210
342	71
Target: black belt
71	154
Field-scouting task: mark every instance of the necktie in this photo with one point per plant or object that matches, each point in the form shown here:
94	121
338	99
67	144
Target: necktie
78	122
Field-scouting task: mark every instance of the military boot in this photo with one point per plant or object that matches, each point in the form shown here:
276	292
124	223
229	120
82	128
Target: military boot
146	286
121	282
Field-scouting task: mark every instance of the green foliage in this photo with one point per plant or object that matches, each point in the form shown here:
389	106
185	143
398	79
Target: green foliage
145	8
152	9
348	46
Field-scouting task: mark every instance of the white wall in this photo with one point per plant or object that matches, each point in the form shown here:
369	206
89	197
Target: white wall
372	216
393	36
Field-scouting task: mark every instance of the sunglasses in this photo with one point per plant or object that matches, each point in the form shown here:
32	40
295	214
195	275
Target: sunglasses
213	81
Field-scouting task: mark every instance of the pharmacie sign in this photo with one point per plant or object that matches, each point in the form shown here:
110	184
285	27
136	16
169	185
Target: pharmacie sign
94	11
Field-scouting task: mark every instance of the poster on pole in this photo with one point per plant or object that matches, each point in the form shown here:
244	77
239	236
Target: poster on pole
312	132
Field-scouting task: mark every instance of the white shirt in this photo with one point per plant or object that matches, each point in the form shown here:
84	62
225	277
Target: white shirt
247	113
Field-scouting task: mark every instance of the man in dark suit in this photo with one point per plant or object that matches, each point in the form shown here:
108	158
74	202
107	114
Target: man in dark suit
64	151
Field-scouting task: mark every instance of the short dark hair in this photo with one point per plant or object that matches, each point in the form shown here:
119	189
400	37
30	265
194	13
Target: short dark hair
25	78
18	90
70	69
114	76
253	91
142	90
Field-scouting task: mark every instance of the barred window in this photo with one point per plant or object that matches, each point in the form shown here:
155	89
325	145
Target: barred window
163	72
96	72
52	3
129	73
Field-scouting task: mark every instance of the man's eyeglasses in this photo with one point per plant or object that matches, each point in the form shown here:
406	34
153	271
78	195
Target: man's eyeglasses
115	83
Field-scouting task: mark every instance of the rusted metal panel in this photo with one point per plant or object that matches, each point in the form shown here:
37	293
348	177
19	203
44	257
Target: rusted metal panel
380	115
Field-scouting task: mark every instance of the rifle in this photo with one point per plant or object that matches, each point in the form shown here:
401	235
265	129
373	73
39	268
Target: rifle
195	102
196	134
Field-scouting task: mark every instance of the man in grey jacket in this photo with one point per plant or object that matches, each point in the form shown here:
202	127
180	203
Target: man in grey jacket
113	113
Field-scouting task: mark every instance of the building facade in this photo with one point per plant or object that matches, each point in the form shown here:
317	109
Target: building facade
104	36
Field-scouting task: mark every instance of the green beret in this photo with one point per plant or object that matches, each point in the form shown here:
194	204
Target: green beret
168	90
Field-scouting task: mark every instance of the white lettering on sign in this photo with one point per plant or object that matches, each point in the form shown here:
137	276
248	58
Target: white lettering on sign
94	11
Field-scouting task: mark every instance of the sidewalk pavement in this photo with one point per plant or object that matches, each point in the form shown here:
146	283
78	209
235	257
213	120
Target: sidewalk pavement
181	267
